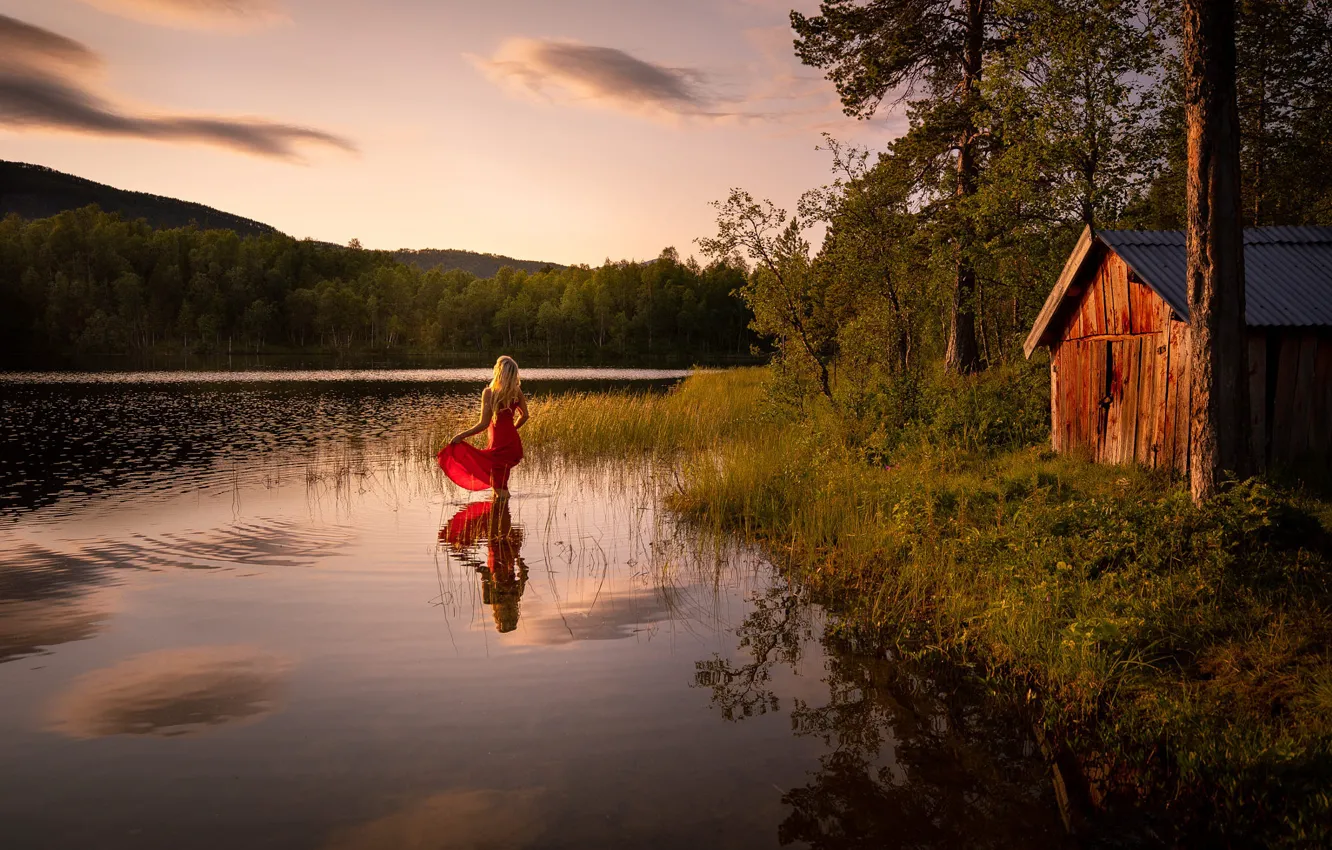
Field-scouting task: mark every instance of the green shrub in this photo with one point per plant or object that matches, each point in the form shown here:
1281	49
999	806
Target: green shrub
1003	408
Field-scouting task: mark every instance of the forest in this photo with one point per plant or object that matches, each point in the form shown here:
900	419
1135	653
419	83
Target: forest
1028	120
86	282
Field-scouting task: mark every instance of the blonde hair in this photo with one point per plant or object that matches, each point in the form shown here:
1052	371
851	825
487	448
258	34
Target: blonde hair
504	386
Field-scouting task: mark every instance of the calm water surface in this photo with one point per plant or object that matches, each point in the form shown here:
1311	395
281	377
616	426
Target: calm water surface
248	611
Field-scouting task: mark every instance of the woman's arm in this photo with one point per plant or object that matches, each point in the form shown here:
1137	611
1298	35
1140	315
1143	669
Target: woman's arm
482	424
521	405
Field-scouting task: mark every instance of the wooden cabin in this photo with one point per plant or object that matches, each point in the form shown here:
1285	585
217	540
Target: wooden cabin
1116	324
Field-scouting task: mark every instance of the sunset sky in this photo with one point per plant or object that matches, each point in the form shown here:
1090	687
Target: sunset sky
562	131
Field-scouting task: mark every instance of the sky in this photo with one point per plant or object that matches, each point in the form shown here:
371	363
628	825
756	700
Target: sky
569	132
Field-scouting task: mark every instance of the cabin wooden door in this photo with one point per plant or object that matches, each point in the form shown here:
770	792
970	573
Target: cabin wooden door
1123	402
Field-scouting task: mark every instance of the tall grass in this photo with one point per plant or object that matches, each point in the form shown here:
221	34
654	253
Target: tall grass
697	414
1185	652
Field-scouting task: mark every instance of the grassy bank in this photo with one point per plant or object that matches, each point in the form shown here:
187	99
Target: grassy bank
1182	654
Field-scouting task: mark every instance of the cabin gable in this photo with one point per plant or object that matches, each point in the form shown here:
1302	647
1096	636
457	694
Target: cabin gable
1113	303
1097	295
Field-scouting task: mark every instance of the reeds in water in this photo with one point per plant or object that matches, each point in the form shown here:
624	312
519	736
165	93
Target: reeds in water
699	413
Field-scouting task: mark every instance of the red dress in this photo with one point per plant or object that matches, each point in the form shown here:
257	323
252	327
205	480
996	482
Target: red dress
479	469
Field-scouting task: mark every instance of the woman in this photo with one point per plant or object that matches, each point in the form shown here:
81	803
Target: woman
503	412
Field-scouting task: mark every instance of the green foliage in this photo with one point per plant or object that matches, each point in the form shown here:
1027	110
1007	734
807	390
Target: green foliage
90	282
1057	115
480	265
1179	651
1005	408
932	56
786	297
874	49
1074	96
1285	49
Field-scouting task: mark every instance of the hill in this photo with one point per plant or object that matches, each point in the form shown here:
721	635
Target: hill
35	191
481	265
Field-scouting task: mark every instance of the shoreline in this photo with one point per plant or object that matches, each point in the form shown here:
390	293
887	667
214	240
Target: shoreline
1176	658
461	375
331	361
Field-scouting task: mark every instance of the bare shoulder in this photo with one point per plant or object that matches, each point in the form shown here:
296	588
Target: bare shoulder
486	395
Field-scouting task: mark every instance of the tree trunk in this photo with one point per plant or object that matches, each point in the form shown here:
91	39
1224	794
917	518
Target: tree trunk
1218	418
963	354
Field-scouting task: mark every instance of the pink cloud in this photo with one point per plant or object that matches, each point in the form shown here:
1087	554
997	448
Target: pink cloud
227	15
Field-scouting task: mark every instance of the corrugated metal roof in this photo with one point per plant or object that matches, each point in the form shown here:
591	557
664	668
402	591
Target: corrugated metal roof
1287	271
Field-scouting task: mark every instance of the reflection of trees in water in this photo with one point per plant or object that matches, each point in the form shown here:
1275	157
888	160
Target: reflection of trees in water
962	770
48	597
69	443
913	759
773	633
28	627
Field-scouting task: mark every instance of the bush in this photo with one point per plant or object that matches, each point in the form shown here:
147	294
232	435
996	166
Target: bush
1007	407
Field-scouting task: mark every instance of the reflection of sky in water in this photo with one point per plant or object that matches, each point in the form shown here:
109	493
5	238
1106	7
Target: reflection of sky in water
453	819
26	626
171	692
275	648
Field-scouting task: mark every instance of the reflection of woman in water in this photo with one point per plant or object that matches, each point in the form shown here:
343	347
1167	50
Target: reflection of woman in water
504	575
503	412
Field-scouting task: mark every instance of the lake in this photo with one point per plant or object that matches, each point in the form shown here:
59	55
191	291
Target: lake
247	610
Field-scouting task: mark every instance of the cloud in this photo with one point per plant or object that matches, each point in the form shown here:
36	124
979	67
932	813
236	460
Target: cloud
172	692
772	87
227	15
45	85
54	104
567	70
27	45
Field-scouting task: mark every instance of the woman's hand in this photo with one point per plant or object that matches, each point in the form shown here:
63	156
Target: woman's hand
456	439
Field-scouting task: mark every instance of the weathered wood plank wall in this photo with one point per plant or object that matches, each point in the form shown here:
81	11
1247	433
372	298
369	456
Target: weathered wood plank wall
1119	381
1258	395
1299	428
1109	376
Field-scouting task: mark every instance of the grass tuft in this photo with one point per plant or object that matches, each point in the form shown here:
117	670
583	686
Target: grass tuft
696	415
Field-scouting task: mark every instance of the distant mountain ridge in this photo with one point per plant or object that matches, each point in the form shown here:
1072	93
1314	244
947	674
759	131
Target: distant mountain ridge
35	191
481	265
